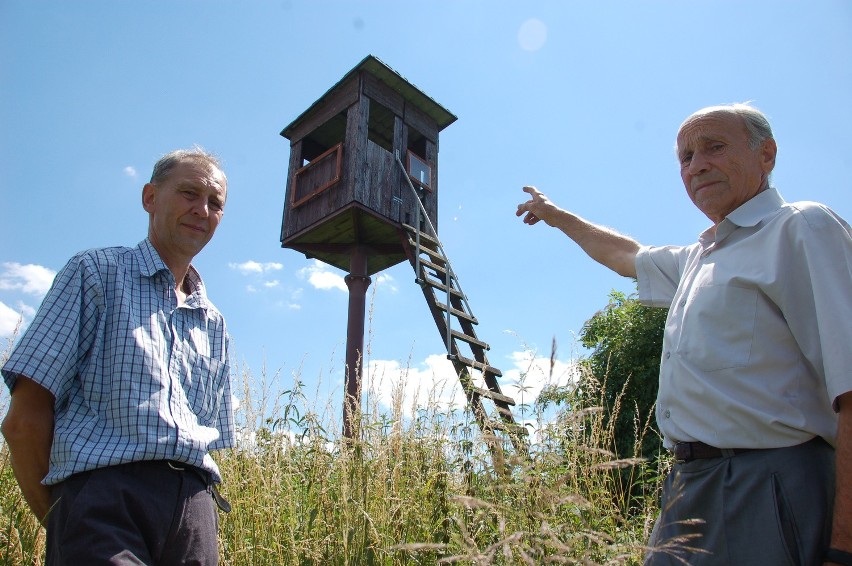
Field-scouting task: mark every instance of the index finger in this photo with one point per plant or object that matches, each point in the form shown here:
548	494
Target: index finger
534	192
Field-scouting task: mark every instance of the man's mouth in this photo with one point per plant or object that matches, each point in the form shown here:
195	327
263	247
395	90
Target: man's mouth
199	229
701	186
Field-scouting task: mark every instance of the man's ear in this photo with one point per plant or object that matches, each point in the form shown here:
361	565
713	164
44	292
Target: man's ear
148	193
768	150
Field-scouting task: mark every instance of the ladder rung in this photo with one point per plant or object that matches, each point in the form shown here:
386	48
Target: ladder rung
457	313
511	428
493	395
484	368
423	236
434	266
506	412
438	285
429	251
470	339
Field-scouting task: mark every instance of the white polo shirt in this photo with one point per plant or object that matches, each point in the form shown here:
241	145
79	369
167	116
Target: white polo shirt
758	340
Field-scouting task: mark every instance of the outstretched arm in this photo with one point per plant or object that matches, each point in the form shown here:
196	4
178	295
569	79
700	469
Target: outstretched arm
28	430
606	246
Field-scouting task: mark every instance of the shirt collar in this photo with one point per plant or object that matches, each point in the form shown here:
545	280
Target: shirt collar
150	263
747	215
198	294
761	205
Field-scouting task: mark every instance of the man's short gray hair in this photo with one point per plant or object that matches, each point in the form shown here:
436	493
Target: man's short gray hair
168	162
756	122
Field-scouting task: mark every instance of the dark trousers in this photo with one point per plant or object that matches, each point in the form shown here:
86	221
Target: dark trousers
140	513
769	507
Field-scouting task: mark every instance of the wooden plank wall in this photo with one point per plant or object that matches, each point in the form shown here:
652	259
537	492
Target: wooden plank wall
333	199
343	98
287	221
369	174
382	181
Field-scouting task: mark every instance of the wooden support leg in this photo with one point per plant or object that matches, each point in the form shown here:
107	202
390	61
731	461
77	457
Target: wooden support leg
358	281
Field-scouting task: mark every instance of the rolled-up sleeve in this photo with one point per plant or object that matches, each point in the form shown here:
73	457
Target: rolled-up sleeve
658	273
58	339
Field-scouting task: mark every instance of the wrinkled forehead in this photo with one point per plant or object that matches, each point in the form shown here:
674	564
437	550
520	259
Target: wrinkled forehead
202	174
707	125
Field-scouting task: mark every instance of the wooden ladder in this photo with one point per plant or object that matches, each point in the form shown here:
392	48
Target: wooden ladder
456	323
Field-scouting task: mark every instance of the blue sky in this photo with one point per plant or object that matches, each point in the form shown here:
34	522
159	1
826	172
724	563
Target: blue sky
582	99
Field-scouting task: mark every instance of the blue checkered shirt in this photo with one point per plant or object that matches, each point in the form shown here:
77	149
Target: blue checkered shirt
135	377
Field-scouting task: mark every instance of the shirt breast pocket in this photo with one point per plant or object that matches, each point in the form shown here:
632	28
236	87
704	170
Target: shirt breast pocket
208	384
718	327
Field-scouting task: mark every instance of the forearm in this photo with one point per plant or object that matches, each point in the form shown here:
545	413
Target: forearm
841	537
30	464
607	247
28	430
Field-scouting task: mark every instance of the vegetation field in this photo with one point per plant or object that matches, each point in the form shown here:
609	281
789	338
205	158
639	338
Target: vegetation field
421	490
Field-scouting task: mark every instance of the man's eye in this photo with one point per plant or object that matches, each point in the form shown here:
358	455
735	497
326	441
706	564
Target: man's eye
685	159
717	147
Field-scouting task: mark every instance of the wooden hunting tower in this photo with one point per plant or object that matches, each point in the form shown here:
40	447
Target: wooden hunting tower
362	195
344	188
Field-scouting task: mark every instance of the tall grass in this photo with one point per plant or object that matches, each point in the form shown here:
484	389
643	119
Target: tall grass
424	490
419	490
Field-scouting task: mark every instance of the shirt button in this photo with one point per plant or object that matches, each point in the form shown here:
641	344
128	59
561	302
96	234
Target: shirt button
668	414
668	355
683	303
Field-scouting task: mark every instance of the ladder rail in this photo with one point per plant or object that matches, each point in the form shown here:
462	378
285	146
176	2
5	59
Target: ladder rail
451	278
457	298
502	403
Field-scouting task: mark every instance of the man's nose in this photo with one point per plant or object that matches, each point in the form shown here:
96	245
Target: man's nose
698	164
202	209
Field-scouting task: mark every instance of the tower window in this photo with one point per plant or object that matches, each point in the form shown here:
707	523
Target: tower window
380	125
419	170
323	138
418	165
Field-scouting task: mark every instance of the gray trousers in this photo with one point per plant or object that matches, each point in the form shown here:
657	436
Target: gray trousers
766	507
133	514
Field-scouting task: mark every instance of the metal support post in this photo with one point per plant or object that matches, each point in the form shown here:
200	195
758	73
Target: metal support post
357	281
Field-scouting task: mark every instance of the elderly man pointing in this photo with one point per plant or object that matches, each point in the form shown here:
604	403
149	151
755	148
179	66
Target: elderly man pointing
756	370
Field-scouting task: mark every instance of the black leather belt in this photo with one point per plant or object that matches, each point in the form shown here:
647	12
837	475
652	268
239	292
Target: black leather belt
689	451
205	476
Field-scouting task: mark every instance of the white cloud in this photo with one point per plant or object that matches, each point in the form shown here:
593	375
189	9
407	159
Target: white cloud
9	320
320	277
386	281
532	373
253	267
130	172
26	310
257	271
30	278
435	384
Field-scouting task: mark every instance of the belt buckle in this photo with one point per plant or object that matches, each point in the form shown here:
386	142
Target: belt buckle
687	447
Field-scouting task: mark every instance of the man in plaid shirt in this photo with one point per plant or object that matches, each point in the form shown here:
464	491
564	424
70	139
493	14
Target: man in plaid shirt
120	388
